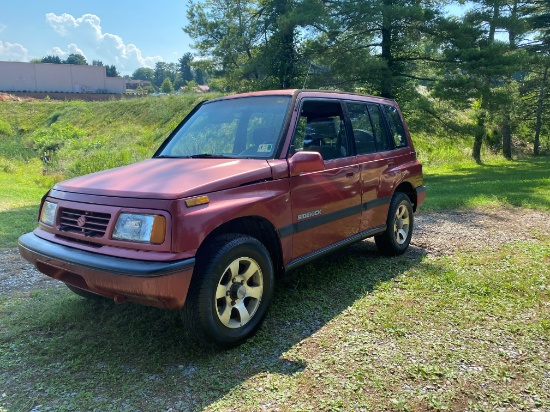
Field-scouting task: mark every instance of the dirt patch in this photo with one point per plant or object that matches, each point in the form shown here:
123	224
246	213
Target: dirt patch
445	233
436	234
5	97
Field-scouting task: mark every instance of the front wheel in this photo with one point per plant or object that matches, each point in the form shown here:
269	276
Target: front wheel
399	227
230	291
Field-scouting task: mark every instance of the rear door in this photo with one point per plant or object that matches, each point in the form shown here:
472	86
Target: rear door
376	161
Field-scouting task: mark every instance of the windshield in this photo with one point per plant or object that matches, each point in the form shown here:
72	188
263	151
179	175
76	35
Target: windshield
236	128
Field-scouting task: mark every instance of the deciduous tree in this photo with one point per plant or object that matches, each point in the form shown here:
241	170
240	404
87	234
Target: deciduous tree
77	59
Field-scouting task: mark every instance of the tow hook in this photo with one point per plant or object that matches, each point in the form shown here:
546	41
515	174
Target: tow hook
120	298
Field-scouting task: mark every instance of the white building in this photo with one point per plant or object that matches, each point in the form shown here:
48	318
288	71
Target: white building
47	77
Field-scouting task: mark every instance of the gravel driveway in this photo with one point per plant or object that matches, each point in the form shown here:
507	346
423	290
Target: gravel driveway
436	233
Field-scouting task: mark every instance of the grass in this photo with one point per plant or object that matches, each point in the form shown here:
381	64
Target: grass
351	332
496	183
23	185
354	331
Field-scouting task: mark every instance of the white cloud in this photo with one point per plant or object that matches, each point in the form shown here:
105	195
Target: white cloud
3	27
71	49
13	52
110	48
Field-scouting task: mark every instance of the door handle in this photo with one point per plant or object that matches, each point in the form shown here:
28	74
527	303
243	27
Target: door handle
349	174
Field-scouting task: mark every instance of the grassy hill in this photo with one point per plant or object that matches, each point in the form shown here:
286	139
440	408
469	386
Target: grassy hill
74	138
42	142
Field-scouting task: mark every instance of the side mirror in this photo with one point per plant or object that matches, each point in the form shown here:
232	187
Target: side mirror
304	162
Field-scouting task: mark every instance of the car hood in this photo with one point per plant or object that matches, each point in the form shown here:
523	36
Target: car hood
165	178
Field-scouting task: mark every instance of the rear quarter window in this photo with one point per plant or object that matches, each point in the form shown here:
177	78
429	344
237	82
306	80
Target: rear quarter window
397	129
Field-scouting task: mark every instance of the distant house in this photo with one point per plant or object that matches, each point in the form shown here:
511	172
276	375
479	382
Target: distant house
197	89
48	77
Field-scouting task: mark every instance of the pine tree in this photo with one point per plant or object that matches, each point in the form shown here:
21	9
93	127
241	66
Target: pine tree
166	86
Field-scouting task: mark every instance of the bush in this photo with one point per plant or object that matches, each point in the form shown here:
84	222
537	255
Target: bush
51	139
5	128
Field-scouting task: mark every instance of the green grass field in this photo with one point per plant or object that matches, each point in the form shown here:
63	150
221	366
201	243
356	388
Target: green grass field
353	331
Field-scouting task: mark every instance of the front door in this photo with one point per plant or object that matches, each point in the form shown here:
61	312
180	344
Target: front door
326	205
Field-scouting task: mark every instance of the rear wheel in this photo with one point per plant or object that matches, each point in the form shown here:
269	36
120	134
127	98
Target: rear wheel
230	291
399	227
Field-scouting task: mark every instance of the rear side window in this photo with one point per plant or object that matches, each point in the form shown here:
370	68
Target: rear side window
363	132
397	129
380	130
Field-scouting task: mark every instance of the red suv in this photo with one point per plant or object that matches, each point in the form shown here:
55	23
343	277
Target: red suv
246	188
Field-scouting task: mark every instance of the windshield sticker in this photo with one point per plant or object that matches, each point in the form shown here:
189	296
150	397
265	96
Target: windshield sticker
265	148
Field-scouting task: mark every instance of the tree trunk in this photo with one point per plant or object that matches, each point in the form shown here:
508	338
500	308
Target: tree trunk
507	137
283	42
493	21
513	25
480	129
538	124
386	82
479	135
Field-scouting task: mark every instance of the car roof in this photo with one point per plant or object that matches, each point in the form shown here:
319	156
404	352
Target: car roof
309	93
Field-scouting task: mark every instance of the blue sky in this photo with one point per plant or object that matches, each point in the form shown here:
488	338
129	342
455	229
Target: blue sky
127	34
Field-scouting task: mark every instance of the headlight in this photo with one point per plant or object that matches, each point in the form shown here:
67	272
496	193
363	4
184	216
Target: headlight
47	214
140	228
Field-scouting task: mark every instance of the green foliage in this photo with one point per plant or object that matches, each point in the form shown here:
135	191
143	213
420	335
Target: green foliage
5	128
165	71
111	71
49	140
407	50
79	137
75	58
185	67
191	86
51	59
144	73
166	86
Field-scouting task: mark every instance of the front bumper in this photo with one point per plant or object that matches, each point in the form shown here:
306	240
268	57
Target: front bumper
159	284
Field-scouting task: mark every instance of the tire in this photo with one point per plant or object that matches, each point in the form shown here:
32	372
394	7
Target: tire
230	291
85	294
399	227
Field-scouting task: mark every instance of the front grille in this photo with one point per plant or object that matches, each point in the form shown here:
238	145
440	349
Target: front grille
91	224
80	241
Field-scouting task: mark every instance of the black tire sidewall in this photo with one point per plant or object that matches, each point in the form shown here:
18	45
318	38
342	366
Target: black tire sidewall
234	247
398	200
386	242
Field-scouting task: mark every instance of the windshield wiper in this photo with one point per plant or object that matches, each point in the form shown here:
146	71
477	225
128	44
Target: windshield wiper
208	155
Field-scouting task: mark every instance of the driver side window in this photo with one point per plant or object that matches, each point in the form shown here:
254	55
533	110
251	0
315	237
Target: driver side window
321	129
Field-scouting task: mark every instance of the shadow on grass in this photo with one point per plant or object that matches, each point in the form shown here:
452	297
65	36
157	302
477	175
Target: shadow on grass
15	222
64	352
522	183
